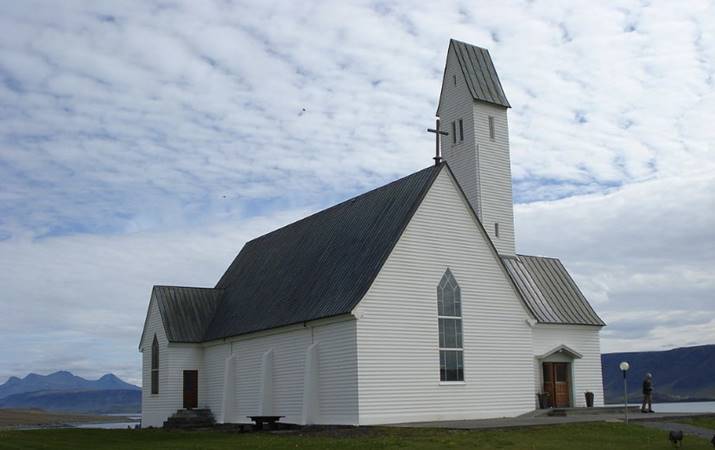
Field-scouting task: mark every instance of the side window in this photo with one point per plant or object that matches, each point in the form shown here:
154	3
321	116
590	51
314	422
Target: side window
454	132
155	366
491	128
449	315
461	130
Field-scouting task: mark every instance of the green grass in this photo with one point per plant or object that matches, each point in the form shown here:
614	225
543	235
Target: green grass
596	436
703	422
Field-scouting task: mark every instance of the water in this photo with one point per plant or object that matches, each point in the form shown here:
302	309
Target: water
684	407
113	425
679	407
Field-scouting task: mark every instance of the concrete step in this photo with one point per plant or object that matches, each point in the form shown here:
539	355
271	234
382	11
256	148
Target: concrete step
190	418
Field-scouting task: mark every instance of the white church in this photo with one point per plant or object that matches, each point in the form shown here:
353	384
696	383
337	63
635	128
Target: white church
407	303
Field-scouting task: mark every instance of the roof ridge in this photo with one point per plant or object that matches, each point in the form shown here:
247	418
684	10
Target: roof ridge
351	199
538	256
186	287
467	43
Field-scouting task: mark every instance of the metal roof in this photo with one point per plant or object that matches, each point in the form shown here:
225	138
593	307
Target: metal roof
478	69
317	267
549	291
186	311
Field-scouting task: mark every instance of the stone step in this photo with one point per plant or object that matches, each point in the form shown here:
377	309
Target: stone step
190	418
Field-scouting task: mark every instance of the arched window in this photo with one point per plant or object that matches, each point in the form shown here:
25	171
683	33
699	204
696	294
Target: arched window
155	366
449	313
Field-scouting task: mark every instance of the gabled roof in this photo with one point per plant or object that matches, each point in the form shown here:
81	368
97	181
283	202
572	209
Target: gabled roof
479	73
186	311
564	349
317	267
549	291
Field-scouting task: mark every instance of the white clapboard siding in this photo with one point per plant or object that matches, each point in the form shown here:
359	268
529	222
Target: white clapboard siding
480	164
586	371
494	174
155	408
397	327
288	366
456	103
211	378
338	373
173	360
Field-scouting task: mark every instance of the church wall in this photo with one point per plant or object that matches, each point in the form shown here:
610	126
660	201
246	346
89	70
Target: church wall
494	170
337	372
173	360
397	326
586	371
211	378
154	407
456	103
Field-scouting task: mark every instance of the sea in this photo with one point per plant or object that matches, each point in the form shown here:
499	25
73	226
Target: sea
135	418
680	407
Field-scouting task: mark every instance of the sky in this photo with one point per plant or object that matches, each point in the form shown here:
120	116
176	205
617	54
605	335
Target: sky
144	142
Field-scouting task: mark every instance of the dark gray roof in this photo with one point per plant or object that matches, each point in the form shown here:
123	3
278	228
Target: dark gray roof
478	69
186	311
549	291
320	266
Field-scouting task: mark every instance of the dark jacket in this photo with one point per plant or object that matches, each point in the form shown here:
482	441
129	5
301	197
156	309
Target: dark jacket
647	386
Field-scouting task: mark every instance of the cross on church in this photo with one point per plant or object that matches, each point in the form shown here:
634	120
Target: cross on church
437	132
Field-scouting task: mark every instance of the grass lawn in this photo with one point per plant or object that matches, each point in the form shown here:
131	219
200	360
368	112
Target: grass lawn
703	422
596	436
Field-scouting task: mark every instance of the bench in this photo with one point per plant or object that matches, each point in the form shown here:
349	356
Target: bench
270	420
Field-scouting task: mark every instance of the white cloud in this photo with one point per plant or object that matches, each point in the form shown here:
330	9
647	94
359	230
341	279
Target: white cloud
137	130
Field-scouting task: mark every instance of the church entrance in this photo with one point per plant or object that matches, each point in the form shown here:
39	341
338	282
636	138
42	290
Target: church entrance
191	389
557	383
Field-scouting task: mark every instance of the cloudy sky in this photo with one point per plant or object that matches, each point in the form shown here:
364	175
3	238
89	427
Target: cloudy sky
143	143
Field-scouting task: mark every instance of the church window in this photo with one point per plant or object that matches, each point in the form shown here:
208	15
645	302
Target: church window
461	130
491	128
454	78
155	366
496	229
454	132
449	314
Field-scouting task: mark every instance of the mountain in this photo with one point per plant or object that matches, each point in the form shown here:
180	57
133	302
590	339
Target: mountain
681	374
61	381
94	401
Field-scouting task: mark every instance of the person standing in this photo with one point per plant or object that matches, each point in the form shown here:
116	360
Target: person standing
647	394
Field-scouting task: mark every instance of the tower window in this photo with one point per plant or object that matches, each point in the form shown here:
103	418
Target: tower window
454	78
454	132
461	130
491	128
496	229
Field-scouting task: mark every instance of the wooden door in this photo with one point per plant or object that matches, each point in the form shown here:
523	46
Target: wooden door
557	384
191	389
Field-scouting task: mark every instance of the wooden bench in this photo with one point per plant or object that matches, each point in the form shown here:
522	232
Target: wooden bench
270	420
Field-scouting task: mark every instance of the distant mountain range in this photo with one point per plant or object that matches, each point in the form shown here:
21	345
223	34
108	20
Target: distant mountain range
63	391
681	374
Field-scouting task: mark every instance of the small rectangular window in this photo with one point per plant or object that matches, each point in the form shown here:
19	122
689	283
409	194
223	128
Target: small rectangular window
496	229
461	130
491	128
454	78
454	132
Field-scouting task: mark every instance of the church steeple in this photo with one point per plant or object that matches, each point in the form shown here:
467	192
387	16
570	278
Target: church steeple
473	110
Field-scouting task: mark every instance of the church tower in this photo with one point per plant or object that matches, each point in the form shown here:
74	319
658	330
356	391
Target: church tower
472	109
